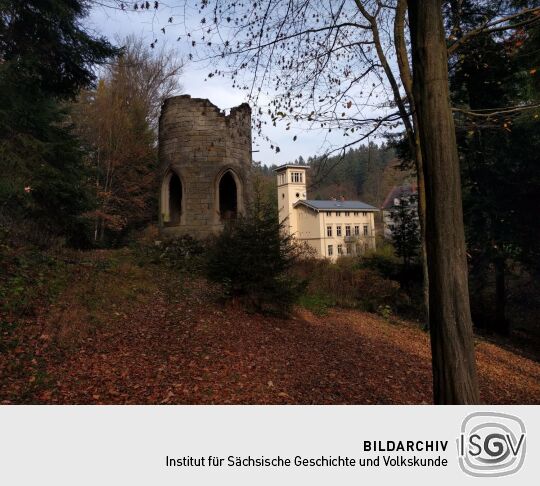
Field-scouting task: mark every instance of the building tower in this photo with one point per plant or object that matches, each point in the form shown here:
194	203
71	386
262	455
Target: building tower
291	188
205	166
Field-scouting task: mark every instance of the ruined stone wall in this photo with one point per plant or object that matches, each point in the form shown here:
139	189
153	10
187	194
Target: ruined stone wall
199	143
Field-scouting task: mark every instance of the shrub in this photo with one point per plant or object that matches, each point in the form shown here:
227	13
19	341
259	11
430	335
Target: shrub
374	291
250	259
383	260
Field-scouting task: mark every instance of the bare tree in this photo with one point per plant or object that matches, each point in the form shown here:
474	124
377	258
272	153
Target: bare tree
151	75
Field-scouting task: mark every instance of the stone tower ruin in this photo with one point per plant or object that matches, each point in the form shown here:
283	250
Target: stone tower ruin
205	165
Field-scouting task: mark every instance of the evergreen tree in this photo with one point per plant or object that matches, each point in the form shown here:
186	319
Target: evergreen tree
46	57
251	257
406	232
499	155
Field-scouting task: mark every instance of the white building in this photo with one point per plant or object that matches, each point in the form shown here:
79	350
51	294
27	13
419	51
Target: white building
332	228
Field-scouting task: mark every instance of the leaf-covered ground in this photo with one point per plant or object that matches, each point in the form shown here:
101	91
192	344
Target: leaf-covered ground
125	334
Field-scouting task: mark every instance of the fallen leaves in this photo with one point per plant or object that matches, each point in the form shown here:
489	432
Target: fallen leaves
181	346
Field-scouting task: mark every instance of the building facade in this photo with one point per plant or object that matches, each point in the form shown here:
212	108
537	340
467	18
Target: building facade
205	165
332	228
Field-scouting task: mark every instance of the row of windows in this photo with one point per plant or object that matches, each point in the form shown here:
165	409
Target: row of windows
348	249
347	213
329	231
295	177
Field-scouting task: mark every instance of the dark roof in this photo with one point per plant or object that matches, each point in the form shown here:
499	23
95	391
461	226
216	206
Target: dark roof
398	192
336	205
291	166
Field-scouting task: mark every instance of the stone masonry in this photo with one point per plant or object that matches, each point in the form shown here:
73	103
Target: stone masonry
202	151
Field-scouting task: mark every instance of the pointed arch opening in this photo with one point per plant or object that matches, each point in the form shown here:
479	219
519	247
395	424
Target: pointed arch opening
171	199
175	199
228	197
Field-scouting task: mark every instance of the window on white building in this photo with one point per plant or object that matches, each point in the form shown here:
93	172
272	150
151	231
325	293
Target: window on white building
356	213
296	176
348	249
357	231
338	213
366	230
340	249
328	213
358	249
347	230
338	230
330	250
364	214
347	214
329	231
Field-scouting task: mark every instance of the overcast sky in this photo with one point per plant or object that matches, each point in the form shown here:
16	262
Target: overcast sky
117	24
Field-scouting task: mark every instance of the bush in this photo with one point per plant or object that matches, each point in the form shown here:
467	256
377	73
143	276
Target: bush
383	260
251	257
374	291
346	285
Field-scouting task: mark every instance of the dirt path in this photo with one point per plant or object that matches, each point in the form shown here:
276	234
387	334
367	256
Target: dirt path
177	346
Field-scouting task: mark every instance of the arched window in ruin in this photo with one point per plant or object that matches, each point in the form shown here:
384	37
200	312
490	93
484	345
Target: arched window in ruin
171	201
228	197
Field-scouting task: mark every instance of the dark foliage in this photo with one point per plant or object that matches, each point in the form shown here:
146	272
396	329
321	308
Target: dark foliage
499	161
46	57
43	42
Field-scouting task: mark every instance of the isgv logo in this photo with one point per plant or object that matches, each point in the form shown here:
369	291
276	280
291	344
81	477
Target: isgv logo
491	444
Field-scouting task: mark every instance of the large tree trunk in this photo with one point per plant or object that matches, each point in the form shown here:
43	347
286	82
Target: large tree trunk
452	345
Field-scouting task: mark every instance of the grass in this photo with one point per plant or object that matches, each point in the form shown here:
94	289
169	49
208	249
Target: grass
317	304
29	278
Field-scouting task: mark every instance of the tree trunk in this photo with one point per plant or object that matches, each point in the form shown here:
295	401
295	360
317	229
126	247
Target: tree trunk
501	322
452	344
406	78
